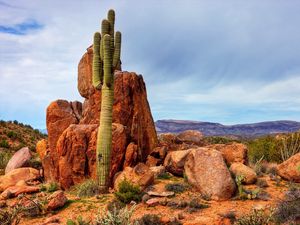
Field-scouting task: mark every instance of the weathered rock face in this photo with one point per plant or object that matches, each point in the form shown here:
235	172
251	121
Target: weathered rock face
76	149
59	116
131	109
193	136
174	161
63	159
140	175
19	159
206	170
233	152
290	169
239	169
17	175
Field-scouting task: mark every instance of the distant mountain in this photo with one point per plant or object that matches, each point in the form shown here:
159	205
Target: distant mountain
217	129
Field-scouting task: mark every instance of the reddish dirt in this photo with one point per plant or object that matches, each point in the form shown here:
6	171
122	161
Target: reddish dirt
88	208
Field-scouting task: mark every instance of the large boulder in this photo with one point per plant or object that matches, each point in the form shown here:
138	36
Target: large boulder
290	169
59	115
206	170
140	175
131	108
175	160
21	174
232	152
20	159
239	169
192	136
76	149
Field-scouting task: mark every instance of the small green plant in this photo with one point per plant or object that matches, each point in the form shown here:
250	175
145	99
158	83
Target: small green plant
88	188
195	205
4	144
53	186
4	158
9	217
256	217
115	217
164	176
11	134
150	219
176	187
244	194
79	221
128	192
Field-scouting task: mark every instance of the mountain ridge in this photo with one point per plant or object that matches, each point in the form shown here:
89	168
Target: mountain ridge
218	129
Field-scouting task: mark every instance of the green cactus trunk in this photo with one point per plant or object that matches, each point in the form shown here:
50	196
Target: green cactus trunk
107	51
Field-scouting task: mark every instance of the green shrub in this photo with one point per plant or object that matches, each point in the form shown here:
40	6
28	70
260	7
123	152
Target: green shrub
128	192
4	144
195	204
115	217
9	217
88	188
289	208
218	140
244	194
267	147
150	219
164	176
4	158
11	134
290	145
176	187
256	217
115	205
53	186
79	221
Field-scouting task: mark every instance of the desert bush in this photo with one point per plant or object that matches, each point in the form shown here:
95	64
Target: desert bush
115	205
288	209
4	144
229	215
262	183
164	176
149	219
244	194
256	217
290	145
88	188
195	205
79	221
53	186
218	140
4	158
11	134
115	217
128	192
267	147
9	217
176	187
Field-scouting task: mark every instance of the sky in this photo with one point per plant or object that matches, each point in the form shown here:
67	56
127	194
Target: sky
207	60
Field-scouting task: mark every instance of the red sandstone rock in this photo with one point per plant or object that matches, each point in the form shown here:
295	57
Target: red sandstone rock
56	200
131	155
76	149
233	152
239	169
175	160
290	169
19	159
206	170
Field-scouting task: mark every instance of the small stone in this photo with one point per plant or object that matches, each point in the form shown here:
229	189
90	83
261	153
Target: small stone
57	200
153	202
145	198
161	194
165	219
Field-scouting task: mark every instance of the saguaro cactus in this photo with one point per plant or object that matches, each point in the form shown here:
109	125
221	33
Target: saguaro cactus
107	51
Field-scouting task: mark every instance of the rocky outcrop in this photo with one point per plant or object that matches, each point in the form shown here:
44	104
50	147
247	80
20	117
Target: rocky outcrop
15	191
192	136
290	169
233	152
140	175
206	170
56	200
239	169
76	149
66	142
174	161
21	174
19	159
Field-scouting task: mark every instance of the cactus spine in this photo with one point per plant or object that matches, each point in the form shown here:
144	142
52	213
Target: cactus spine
107	51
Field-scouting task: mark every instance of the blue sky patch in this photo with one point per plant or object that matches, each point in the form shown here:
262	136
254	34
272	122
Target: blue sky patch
21	28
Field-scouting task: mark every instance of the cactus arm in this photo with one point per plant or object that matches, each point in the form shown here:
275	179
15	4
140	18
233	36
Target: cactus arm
117	50
97	63
105	27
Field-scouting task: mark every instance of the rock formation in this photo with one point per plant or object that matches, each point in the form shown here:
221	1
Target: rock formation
72	128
